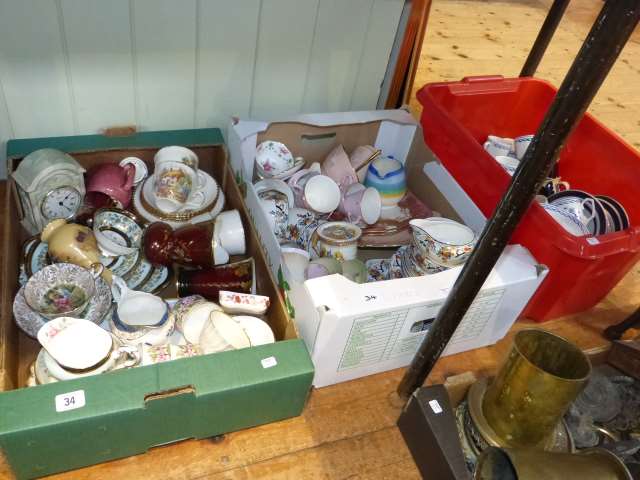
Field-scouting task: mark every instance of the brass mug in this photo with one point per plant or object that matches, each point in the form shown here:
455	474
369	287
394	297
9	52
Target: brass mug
528	464
540	378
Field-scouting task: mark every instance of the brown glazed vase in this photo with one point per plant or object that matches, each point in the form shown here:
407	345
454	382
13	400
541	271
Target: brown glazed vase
235	277
187	246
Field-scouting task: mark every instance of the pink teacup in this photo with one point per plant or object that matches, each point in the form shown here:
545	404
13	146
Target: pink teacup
361	204
360	159
112	180
314	191
338	167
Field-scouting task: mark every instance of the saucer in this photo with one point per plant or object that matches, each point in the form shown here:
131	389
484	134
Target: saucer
157	281
40	370
157	216
282	176
139	275
30	322
568	200
37	258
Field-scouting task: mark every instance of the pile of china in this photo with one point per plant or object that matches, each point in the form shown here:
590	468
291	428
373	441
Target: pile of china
323	214
91	282
580	213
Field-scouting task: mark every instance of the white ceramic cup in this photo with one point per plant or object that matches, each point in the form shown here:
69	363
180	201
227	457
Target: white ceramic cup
296	261
522	144
122	356
228	228
499	146
191	320
273	158
220	255
180	154
221	333
277	211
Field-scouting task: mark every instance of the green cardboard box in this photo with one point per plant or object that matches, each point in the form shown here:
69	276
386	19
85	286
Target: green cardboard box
126	412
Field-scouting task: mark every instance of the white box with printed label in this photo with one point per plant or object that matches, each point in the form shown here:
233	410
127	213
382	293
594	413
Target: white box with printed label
354	329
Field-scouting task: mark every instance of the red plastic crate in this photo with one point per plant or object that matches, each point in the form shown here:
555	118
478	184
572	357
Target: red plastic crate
456	119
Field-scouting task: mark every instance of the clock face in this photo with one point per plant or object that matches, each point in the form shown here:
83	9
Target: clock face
61	202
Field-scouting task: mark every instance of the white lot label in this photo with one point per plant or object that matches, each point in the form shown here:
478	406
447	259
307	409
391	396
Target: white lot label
435	406
269	362
70	401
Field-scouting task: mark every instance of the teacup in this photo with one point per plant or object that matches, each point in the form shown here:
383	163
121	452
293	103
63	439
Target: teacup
176	186
61	289
221	333
522	144
497	146
141	168
336	239
228	228
509	164
322	266
220	254
120	356
361	204
567	220
274	158
355	270
338	167
315	191
583	209
277	210
387	175
273	188
176	153
300	226
152	354
360	159
257	330
443	241
112	180
553	185
190	314
118	232
296	260
75	343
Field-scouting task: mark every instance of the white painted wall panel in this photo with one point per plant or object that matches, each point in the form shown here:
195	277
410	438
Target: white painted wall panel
78	66
165	57
33	68
227	33
382	26
98	41
285	37
338	45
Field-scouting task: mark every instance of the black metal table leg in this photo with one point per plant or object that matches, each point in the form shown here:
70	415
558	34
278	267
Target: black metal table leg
544	37
602	46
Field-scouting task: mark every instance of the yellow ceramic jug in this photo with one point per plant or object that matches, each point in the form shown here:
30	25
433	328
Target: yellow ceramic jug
72	243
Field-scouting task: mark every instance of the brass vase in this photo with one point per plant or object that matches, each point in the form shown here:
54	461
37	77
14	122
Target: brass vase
73	243
530	464
540	378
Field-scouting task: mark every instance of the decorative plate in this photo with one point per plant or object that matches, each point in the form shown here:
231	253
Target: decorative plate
30	322
377	269
158	281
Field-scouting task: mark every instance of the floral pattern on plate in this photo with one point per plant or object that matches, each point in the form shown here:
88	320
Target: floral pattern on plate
30	322
377	269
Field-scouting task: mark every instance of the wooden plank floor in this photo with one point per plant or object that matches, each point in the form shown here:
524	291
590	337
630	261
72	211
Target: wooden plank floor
348	430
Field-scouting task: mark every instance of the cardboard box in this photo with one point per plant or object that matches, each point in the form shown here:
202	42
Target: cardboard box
126	412
354	330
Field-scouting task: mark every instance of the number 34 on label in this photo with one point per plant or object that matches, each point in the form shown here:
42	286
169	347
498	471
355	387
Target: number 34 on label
70	401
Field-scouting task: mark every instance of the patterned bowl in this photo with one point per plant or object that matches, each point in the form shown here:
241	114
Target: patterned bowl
61	290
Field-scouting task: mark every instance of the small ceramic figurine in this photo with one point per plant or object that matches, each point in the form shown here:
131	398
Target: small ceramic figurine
73	243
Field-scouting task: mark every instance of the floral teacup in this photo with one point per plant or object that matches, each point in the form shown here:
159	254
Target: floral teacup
300	226
176	187
273	159
61	289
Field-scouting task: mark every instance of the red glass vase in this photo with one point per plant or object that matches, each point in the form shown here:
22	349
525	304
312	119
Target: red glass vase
188	246
235	277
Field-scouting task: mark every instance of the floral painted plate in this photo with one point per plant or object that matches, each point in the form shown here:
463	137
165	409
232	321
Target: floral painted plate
377	269
30	322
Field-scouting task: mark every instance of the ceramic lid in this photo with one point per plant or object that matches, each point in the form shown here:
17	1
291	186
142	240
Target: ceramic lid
339	232
37	164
